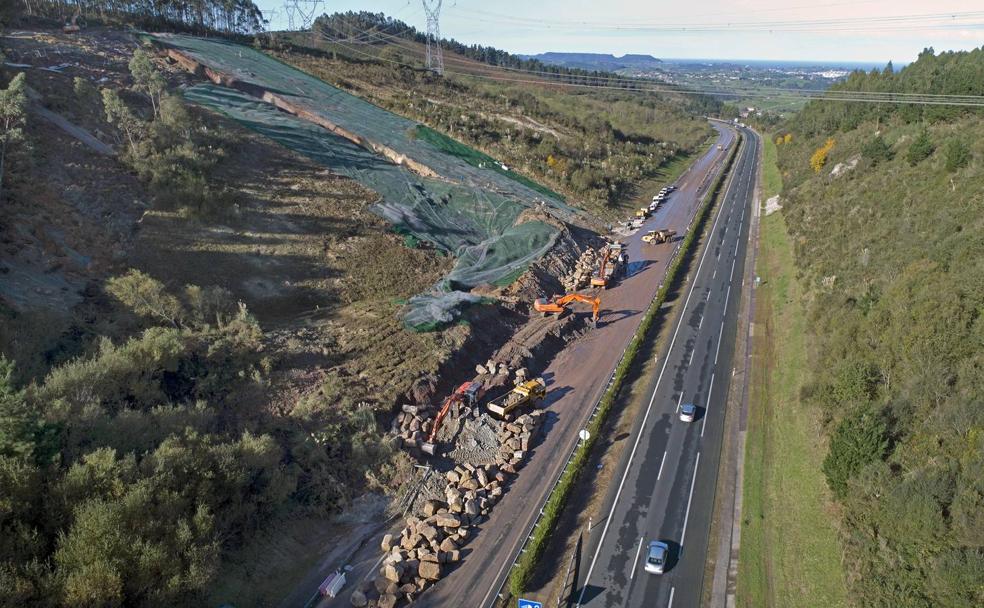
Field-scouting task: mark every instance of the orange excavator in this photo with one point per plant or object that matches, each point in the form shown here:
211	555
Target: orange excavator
557	306
467	394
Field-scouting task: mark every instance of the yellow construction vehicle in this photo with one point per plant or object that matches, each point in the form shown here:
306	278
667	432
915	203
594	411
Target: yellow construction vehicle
642	213
655	237
466	394
558	306
531	392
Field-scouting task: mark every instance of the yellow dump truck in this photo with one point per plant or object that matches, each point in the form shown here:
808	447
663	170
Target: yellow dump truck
531	392
655	237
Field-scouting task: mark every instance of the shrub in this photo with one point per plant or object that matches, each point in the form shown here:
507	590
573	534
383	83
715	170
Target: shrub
957	155
920	148
819	158
860	438
877	150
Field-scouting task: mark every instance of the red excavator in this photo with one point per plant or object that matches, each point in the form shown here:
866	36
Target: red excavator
557	306
467	394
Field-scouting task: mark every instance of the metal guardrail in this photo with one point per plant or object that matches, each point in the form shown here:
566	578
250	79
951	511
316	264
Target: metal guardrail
594	412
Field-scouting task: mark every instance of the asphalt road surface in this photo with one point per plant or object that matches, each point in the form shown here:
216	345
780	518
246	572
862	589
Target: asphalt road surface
576	379
664	487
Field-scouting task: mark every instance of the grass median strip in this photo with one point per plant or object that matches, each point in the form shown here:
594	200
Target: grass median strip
527	560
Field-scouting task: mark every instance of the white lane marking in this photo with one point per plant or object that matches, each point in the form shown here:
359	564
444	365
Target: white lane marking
636	562
645	418
670	605
686	517
727	297
701	324
679	400
732	275
691	357
713	276
717	351
707	407
661	463
738	242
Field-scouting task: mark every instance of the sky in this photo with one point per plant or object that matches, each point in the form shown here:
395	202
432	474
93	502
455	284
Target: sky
710	29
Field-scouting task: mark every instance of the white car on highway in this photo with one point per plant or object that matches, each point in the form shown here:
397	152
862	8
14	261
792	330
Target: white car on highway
688	411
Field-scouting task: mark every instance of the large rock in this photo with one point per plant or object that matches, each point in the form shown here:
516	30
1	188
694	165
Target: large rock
387	543
482	477
393	572
471	507
358	599
387	601
448	545
470	484
432	506
453	476
430	570
382	584
428	531
447	520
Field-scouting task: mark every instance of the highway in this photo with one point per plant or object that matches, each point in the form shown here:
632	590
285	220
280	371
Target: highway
664	487
576	379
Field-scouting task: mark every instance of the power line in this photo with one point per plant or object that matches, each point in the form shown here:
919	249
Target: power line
844	96
631	83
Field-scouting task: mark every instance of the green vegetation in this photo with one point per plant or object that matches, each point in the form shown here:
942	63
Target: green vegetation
790	554
527	561
477	159
889	256
227	16
170	149
771	179
13	115
129	471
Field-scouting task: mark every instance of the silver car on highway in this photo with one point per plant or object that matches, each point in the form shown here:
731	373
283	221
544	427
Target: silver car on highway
656	559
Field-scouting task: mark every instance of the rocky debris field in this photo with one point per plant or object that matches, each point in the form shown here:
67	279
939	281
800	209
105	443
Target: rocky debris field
580	275
457	500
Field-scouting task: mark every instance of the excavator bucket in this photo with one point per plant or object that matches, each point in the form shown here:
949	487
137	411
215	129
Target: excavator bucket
428	448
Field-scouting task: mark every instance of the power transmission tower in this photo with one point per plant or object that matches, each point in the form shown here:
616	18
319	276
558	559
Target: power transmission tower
435	57
302	12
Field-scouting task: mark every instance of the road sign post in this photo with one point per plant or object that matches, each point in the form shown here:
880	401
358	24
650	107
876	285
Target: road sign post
529	604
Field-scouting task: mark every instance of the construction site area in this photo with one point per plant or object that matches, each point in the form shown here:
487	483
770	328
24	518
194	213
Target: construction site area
472	312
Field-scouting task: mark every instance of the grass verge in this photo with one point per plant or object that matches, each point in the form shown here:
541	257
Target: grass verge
771	178
790	554
527	561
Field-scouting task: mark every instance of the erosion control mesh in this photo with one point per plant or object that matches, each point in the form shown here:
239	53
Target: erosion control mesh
463	202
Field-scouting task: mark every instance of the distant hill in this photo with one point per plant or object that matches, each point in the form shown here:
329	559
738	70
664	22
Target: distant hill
597	61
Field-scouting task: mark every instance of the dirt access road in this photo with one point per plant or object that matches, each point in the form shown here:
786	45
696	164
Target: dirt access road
576	379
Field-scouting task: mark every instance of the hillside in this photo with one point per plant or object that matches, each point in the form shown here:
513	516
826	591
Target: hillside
604	150
883	205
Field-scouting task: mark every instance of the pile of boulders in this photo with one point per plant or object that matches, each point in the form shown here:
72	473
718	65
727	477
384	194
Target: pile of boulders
516	439
422	552
412	425
580	276
492	368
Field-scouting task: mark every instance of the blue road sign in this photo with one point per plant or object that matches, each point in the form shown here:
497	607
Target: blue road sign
529	604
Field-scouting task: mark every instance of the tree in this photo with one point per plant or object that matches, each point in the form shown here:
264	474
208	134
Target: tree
860	438
19	424
146	78
13	115
920	149
119	115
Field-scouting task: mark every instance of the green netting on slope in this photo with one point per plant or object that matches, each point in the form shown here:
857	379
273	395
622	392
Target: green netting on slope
356	116
477	226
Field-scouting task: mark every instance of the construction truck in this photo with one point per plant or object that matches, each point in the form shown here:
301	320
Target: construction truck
557	306
642	213
655	237
613	262
531	392
467	394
